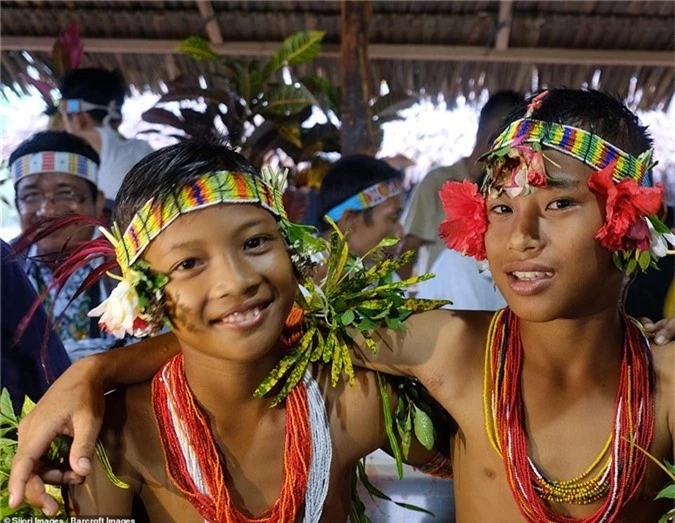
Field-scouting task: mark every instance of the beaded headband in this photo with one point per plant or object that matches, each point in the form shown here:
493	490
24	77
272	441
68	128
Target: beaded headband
367	198
210	189
578	143
54	162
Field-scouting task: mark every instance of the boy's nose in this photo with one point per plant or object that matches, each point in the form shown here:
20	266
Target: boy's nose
526	232
234	276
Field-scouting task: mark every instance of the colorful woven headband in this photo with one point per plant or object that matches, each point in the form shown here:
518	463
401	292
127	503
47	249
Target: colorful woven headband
578	143
54	162
210	189
367	198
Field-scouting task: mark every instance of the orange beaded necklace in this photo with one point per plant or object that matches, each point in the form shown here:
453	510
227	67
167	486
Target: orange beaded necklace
504	412
195	464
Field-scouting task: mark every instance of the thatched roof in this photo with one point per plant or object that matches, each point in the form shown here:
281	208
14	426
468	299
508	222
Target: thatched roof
449	47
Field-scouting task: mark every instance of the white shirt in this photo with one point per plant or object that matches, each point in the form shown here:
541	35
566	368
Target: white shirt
458	279
118	155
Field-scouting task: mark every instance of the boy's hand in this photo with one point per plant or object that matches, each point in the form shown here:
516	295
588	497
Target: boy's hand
662	332
72	406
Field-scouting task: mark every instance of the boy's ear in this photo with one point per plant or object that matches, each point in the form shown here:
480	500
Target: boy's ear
350	220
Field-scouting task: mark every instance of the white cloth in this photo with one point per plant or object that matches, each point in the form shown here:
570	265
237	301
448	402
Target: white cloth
118	155
458	279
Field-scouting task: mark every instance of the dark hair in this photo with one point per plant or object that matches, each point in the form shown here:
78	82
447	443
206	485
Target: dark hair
58	141
498	106
594	111
162	171
349	176
96	86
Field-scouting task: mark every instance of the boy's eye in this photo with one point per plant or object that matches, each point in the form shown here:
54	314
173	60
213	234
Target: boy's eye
561	203
186	265
255	243
500	208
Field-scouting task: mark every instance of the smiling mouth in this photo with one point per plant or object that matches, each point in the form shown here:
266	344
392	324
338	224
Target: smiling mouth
530	275
243	317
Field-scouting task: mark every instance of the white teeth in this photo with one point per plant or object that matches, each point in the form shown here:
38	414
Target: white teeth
241	317
531	275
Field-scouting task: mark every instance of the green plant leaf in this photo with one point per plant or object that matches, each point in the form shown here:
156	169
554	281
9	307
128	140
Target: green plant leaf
424	428
644	259
668	516
389	425
6	408
668	492
299	48
197	48
28	405
347	317
285	100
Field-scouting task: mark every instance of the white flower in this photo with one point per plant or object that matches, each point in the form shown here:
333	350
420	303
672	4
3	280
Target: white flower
658	243
119	311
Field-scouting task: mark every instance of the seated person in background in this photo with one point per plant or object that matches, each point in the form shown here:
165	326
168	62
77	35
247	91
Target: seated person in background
209	233
29	364
363	196
424	212
55	173
91	106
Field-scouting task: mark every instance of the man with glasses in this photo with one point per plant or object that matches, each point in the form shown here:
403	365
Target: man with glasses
55	173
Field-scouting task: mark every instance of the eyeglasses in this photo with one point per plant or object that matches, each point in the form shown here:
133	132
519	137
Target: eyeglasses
65	199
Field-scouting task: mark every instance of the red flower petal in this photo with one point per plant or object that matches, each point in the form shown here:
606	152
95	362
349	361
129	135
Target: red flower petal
626	204
464	228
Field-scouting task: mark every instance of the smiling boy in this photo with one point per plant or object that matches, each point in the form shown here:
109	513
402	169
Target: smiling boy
551	393
205	248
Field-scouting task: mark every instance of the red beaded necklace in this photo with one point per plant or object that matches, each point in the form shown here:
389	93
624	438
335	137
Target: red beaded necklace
195	464
505	425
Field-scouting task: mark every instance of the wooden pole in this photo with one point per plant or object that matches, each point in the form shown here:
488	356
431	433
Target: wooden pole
356	133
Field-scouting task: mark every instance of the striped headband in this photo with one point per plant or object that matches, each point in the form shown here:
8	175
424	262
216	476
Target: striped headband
578	143
210	189
54	162
367	198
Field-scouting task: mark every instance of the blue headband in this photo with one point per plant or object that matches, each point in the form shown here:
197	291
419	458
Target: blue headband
367	198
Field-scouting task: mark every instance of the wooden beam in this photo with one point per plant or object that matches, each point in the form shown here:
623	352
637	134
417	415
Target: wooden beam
212	28
503	25
441	53
356	131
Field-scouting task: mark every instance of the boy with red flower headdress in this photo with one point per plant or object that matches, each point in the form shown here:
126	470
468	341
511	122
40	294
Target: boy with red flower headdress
559	395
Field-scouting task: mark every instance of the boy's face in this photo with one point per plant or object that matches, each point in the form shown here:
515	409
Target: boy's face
231	280
50	195
542	251
385	223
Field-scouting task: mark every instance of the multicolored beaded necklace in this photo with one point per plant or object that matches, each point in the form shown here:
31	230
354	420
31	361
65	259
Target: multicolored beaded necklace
625	466
195	464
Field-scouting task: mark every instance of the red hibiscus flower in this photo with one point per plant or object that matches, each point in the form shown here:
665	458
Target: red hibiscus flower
626	205
464	228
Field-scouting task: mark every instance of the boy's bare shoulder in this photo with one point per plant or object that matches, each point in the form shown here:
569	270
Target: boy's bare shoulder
664	367
130	431
354	412
453	343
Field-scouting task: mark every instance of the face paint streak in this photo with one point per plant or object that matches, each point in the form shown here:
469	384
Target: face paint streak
179	314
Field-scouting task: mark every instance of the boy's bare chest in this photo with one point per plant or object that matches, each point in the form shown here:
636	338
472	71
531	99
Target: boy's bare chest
564	439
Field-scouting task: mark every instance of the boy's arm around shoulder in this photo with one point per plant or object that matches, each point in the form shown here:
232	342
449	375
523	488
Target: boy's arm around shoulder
435	344
74	406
